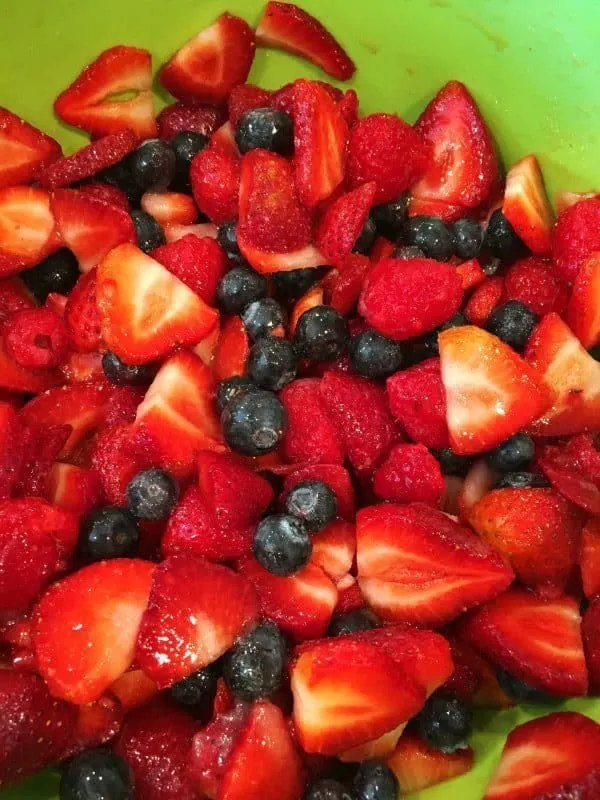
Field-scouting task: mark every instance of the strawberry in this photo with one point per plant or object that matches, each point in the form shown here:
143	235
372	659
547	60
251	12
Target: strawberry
425	206
36	338
106	193
566	199
27	225
590	627
418	401
199	263
307	257
118	453
73	488
320	133
349	595
532	281
416	565
471	274
169	207
348	106
526	205
224	139
145	311
12	433
409	474
311	435
41	446
24	150
571	475
575	238
385	149
15	378
232	349
418	766
347	286
315	296
491	392
36	727
335	476
572	375
343	222
212	748
589	558
478	481
202	230
403	299
348	692
80	367
81	315
555	756
485	298
205	350
85	627
133	689
283	98
14	296
215	178
463	168
334	549
582	312
285	26
195	117
208	67
186	625
246	97
537	641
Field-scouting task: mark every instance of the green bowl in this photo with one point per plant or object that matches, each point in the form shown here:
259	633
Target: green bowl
533	67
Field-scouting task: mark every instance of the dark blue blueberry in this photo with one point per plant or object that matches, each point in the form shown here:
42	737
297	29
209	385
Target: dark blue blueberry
122	374
375	781
96	775
253	423
272	363
502	240
119	175
314	502
431	235
451	463
152	494
389	218
198	689
227	238
150	234
238	288
374	355
445	722
362	619
513	322
56	273
594	351
254	668
321	334
153	165
406	252
263	317
327	789
185	145
468	238
267	129
291	284
282	544
512	455
366	238
490	265
523	693
522	480
109	532
231	387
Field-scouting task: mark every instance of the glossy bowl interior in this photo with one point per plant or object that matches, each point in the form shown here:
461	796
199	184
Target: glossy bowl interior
533	66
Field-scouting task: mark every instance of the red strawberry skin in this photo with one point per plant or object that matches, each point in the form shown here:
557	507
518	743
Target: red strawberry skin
418	766
11	453
24	150
582	312
409	474
418	401
27	562
81	315
589	559
487	296
576	236
311	435
245	97
343	221
590	629
231	352
532	281
188	117
335	476
117	455
199	263
41	447
215	178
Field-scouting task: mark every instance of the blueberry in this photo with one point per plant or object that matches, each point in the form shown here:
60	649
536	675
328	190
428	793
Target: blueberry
431	235
513	322
366	238
238	288
594	351
501	239
227	238
375	781
96	775
407	252
374	355
314	502
153	165
430	340
362	619
122	374
291	284
522	692
490	265
390	218
152	494
109	532
198	689
267	129
321	334
513	454
262	317
327	789
254	422
119	175
468	238
230	387
522	480
254	668
185	145
150	234
272	363
56	273
451	463
282	544
445	722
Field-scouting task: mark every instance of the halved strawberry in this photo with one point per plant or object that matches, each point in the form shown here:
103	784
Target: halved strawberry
187	625
27	225
199	262
570	473
285	26
342	222
464	166
583	312
311	435
207	67
589	558
15	378
81	315
232	349
416	565
418	766
215	179
74	488
491	392
537	641
590	629
89	102
334	549
133	689
487	296
526	205
12	433
24	150
169	207
555	756
145	311
335	476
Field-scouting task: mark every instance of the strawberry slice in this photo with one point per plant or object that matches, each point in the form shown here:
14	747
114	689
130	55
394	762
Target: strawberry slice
145	311
583	311
311	435
207	67
334	549
187	625
285	26
27	226
526	205
537	641
343	222
572	375
85	627
418	766
348	692
24	150
463	167
74	488
320	133
232	349
169	208
266	262
491	392
133	689
89	102
572	475
553	757
589	558
418	566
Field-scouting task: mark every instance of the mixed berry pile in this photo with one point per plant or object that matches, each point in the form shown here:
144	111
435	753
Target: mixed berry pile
298	440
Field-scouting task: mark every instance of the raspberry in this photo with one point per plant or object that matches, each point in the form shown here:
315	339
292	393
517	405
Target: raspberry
342	223
106	193
246	97
402	299
81	314
418	400
199	263
576	236
311	436
215	177
531	281
484	300
410	474
188	117
36	337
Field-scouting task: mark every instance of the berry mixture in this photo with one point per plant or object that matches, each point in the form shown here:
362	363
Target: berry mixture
299	455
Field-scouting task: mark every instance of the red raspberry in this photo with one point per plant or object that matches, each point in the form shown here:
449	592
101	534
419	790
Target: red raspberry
418	400
576	236
531	281
410	474
183	117
484	300
36	337
81	314
199	263
215	178
245	97
311	436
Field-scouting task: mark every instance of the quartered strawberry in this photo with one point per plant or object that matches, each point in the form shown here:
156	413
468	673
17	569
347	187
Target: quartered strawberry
335	476
576	236
320	133
15	378
570	469
463	166
571	374
526	205
343	221
417	766
169	208
491	391
311	435
418	401
117	454
27	226
145	311
73	488
416	565
553	757
334	549
283	98
246	97
81	315
285	26
215	178
409	474
12	433
207	67
232	349
195	117
347	281
199	263
589	558
590	629
187	625
348	106
106	193
24	150
532	281
583	315
485	298
537	641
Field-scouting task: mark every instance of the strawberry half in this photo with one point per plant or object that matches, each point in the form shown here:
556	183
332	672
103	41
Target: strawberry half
341	224
27	225
231	352
73	488
526	205
89	102
334	549
418	766
24	150
589	558
583	311
207	67
491	392
590	628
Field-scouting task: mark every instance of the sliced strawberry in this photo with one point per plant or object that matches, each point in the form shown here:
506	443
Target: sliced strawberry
310	299
418	766
246	97
343	221
576	236
12	433
348	106
232	349
491	392
590	629
133	689
187	625
552	757
283	98
566	199
81	315
582	313
207	67
537	641
478	481
570	475
14	296
311	435
212	748
106	193
74	488
589	558
24	150
347	285
117	454
169	207
471	274
80	367
464	166
334	549
335	476
409	474
28	560
15	378
447	212
215	179
27	225
418	401
224	139
41	446
285	26
526	205
266	262
487	296
199	263
195	117
202	230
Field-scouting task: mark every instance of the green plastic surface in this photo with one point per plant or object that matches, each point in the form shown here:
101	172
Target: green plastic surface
533	65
